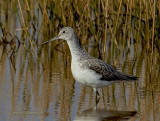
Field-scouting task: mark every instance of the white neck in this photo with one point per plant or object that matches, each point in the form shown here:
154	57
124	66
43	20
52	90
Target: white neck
77	51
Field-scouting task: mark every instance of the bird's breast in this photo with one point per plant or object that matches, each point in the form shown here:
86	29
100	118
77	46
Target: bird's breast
84	75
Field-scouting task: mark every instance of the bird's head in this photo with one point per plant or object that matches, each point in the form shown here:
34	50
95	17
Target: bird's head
65	33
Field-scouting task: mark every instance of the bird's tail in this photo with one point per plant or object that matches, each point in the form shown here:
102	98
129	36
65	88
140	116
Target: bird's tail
132	78
127	77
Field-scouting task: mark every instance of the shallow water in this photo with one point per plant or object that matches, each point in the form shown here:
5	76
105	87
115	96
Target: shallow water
43	88
33	90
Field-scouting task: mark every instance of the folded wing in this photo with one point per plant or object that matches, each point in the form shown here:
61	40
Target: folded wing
108	73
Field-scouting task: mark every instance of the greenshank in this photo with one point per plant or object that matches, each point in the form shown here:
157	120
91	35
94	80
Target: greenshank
86	69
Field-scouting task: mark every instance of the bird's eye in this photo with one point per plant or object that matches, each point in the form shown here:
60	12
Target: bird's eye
64	31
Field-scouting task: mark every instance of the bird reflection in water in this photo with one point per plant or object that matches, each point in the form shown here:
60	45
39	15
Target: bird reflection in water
104	115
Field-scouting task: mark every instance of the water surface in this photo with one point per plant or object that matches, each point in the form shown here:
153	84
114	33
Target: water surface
40	87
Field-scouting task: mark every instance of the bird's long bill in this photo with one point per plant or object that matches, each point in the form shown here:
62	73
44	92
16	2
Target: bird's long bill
55	38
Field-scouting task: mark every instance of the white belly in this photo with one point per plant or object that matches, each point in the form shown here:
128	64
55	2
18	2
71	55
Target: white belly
88	77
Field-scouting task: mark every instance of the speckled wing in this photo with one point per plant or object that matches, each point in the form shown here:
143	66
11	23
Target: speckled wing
108	73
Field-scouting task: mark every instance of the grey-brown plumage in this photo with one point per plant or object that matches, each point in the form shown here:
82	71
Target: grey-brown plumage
86	69
108	73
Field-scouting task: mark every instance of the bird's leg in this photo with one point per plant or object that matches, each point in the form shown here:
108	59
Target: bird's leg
97	97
